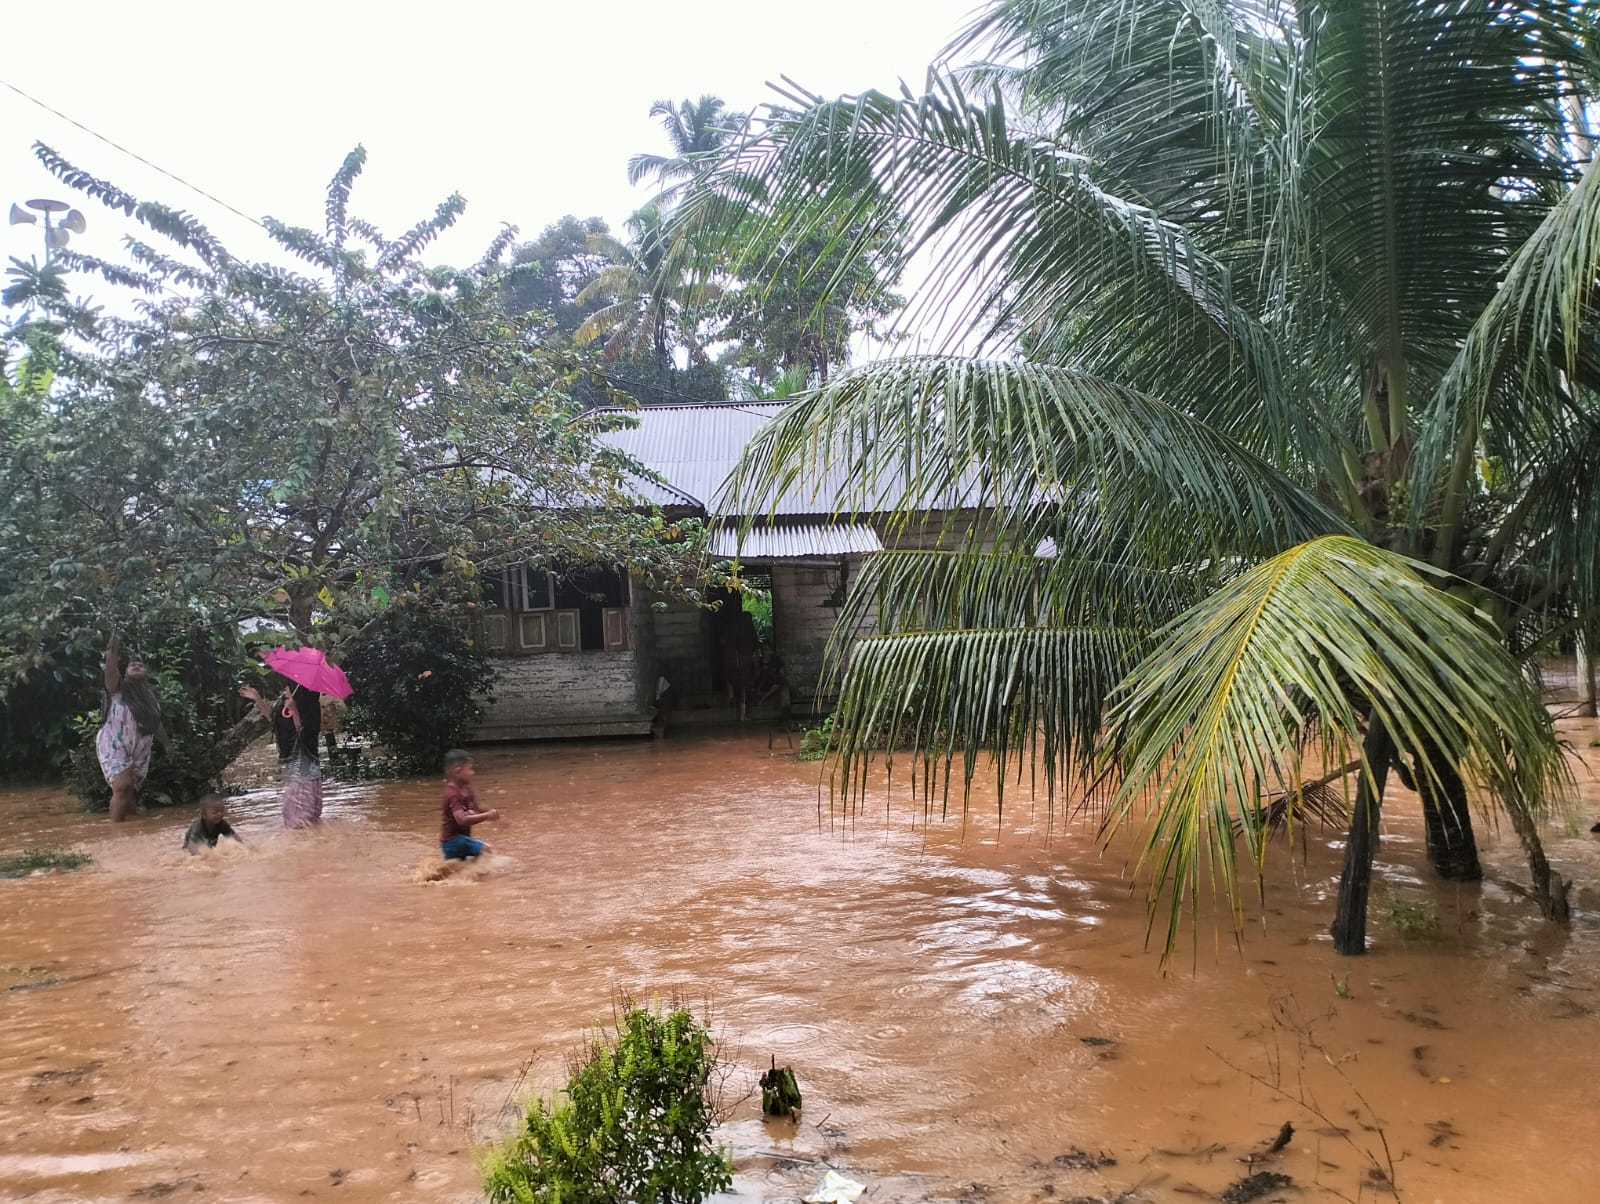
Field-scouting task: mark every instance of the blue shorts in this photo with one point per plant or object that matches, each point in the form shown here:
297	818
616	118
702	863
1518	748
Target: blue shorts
460	847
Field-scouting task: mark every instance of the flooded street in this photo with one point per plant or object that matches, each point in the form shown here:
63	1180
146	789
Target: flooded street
971	1010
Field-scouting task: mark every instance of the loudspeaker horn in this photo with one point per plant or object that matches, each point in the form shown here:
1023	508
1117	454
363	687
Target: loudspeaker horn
21	217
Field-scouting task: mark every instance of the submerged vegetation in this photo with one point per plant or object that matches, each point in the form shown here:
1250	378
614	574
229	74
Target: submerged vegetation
44	858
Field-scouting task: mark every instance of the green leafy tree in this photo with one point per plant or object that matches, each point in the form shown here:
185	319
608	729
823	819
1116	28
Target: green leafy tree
263	441
418	677
795	318
553	269
1293	308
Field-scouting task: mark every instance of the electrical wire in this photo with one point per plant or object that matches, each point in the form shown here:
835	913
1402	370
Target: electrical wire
195	188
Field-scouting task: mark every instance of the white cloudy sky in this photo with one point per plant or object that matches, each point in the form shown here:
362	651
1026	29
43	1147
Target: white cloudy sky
529	109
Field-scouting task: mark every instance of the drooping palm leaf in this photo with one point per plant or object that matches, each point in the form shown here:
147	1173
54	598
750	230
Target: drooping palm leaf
1019	697
1335	633
1031	445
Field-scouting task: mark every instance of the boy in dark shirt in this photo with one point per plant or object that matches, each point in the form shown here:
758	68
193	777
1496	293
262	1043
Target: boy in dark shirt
210	826
461	809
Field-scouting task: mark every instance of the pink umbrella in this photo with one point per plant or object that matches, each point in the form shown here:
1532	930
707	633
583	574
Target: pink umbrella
310	668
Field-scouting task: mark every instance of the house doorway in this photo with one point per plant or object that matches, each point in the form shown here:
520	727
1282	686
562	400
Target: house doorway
743	641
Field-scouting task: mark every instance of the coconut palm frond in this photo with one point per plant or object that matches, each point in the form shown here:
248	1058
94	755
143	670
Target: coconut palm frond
1031	445
1335	633
911	590
1021	697
1535	325
1314	802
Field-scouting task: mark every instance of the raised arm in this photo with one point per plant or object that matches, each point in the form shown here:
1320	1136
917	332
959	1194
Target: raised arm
113	667
254	695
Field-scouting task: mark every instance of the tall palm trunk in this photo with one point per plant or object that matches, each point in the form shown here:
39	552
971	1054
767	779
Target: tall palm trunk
1355	883
1447	818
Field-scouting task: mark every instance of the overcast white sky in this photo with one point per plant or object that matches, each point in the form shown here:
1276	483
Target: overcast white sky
530	110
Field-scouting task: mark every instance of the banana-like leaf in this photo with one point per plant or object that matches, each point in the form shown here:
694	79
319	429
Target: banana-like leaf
1308	648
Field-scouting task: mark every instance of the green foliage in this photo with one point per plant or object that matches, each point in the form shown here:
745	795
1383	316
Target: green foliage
817	742
419	681
46	858
760	611
272	441
1411	919
635	1125
550	272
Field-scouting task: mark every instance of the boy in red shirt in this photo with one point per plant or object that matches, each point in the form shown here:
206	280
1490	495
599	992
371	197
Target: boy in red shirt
461	809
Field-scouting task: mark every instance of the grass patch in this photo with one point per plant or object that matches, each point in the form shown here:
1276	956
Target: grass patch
1412	919
29	860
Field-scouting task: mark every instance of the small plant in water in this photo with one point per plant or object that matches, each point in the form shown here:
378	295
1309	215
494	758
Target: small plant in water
635	1124
817	742
1412	919
29	860
1341	987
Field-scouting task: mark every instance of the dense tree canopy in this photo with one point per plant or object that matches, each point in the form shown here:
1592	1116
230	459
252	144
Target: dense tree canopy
1293	315
306	442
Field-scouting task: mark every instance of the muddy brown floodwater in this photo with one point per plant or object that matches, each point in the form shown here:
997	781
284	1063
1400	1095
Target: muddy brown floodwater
970	1009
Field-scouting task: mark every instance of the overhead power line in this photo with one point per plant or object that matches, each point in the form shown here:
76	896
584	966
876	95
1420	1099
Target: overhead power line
115	145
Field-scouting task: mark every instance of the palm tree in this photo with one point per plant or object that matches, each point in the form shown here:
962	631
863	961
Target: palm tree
696	130
647	306
1288	312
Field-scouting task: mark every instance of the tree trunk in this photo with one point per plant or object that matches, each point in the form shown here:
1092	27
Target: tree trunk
1447	818
1355	883
235	740
1586	698
1549	888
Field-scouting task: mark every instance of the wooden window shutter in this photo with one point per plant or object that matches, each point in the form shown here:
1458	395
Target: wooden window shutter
615	626
567	637
531	633
496	633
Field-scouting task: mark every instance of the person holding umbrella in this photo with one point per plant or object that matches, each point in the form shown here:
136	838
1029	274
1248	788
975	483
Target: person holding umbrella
297	725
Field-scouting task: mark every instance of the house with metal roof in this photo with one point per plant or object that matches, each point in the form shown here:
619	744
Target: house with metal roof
592	655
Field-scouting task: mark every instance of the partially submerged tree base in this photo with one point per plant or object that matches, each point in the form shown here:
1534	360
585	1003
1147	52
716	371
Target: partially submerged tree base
1550	891
1355	883
780	1093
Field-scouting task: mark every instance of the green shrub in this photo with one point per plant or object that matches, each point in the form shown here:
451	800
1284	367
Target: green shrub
635	1125
419	683
817	742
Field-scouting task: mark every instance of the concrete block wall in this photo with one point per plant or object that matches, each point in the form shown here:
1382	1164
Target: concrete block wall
682	648
566	693
802	625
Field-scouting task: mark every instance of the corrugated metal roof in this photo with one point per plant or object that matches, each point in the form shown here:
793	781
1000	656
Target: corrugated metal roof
796	541
695	447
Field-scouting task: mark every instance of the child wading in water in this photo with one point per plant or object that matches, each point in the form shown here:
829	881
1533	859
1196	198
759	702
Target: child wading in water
461	809
210	826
